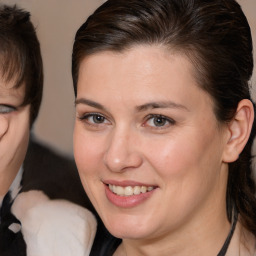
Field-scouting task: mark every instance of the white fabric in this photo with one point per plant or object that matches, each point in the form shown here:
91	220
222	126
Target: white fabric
1	201
54	227
15	227
16	186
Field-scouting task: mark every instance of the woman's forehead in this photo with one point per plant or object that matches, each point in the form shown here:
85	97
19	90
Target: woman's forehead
139	76
141	58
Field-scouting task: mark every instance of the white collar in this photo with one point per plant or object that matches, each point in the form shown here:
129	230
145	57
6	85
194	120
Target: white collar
15	186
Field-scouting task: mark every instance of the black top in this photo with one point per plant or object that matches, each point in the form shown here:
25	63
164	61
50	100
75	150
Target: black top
11	241
45	170
104	243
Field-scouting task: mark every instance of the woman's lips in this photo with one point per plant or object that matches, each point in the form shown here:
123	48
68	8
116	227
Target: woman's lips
128	194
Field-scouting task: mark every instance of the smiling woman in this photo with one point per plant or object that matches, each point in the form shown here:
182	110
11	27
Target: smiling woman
163	132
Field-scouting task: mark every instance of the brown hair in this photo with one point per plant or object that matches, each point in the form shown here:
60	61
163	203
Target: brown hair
20	56
216	37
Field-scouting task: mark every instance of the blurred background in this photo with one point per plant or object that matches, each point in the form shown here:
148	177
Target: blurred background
56	22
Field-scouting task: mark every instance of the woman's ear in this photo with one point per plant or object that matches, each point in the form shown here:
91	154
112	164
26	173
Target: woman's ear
239	130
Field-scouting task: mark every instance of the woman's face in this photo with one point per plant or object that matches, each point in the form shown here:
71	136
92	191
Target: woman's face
147	144
14	132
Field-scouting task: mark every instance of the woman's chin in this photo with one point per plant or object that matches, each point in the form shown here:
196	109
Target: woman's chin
125	230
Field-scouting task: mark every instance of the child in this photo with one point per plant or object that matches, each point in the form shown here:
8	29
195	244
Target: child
30	223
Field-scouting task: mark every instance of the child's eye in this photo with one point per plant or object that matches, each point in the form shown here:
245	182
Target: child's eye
159	121
5	109
94	119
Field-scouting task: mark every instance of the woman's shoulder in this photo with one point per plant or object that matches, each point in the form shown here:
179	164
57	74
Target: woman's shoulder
243	242
247	243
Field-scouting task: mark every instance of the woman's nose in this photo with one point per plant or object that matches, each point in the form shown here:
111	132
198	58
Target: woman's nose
122	153
3	126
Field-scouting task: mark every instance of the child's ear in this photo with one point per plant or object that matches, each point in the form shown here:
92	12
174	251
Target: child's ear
239	130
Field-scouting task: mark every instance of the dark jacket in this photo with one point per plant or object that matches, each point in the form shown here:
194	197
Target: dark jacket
47	171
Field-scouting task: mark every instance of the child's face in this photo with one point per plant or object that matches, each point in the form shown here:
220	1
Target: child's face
14	132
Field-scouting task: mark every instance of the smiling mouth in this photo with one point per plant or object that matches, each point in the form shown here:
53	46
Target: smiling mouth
129	190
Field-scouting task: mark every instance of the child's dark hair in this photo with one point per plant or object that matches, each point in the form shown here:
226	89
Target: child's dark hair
20	55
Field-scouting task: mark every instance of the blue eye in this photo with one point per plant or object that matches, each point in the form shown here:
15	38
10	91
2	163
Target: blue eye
5	109
159	121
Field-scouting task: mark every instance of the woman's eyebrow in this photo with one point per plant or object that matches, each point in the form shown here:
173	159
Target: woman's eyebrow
162	104
89	103
144	107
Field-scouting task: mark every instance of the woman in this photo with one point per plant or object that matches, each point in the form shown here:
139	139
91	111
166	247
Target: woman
164	126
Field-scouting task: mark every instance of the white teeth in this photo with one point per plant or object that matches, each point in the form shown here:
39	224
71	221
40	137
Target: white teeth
120	191
143	189
129	190
136	190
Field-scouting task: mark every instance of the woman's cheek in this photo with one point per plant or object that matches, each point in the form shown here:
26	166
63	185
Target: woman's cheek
165	155
86	151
